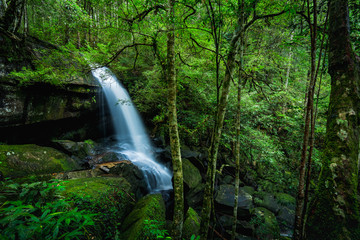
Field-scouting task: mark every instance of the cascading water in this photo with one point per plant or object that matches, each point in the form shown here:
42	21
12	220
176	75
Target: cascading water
132	142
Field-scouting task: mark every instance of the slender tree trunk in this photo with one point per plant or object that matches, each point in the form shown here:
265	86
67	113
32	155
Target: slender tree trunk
334	209
289	66
26	22
173	129
219	121
299	220
237	124
312	132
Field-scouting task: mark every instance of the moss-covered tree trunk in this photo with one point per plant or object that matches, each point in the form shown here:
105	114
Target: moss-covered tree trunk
211	170
173	128
12	14
237	124
334	213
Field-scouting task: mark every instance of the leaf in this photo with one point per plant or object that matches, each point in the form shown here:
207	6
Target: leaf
56	231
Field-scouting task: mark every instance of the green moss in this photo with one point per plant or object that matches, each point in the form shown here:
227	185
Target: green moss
266	226
93	186
24	160
150	207
191	224
192	175
285	199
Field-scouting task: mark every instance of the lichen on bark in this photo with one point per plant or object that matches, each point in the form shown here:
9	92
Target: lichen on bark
333	212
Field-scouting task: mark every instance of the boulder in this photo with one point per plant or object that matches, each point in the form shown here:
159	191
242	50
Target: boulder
194	197
102	194
268	201
225	196
95	186
286	219
266	226
133	175
191	224
242	227
78	149
30	159
150	207
286	200
248	189
191	174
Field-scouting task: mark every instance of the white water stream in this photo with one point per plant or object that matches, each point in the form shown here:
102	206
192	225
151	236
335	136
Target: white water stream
132	141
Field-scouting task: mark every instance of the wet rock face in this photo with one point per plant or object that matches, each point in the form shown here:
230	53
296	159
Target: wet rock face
133	175
26	111
42	112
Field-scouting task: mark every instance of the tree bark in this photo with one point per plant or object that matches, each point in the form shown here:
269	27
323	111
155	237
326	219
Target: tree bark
299	218
12	17
173	129
334	210
237	124
211	170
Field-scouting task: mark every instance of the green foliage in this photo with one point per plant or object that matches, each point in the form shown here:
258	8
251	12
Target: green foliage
38	213
155	230
54	66
112	207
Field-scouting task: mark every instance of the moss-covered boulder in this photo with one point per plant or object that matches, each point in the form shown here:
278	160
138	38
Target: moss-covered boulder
268	201
194	197
192	175
150	207
78	149
191	224
110	198
224	198
286	200
95	186
266	226
133	175
30	159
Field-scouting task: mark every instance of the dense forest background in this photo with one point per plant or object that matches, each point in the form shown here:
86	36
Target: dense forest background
267	61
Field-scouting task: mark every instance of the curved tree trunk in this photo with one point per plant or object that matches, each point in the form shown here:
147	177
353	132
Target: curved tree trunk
334	213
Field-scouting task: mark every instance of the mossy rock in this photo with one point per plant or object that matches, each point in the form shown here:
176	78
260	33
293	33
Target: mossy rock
78	149
150	207
94	187
192	176
30	159
268	201
191	224
286	200
108	197
266	226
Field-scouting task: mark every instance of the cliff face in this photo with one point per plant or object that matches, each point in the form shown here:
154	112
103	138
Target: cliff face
41	111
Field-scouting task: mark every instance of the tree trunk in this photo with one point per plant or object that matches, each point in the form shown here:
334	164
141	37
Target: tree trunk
11	19
211	170
238	126
299	217
334	210
173	129
3	7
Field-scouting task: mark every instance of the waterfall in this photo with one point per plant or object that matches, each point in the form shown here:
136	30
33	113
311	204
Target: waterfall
132	142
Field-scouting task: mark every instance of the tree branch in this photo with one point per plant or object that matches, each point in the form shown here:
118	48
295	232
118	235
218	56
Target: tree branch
125	47
143	14
255	18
